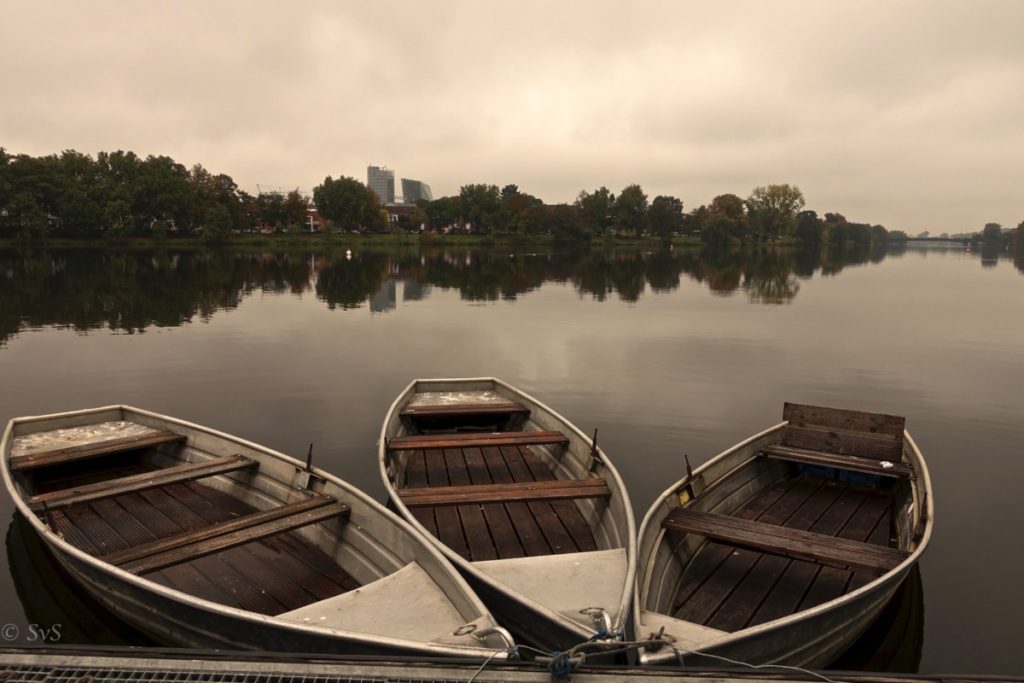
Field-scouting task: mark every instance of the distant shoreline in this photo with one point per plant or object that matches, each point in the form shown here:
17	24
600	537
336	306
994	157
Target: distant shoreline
321	240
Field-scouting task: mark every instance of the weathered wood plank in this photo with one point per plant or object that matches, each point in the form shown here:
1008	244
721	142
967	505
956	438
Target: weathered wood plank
473	439
525	525
139	482
568	513
287	553
800	575
474	525
896	469
506	542
801	415
216	544
449	526
698	574
843	443
465	409
501	493
783	541
558	538
416	477
92	450
216	529
726	566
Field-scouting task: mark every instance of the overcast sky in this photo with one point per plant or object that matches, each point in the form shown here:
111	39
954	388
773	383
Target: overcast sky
908	114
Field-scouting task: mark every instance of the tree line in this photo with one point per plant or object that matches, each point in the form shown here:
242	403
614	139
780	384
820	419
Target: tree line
119	194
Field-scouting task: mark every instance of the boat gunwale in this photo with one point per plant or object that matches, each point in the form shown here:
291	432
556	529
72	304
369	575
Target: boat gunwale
625	614
61	546
921	484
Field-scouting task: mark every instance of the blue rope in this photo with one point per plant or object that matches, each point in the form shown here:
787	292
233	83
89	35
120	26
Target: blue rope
561	664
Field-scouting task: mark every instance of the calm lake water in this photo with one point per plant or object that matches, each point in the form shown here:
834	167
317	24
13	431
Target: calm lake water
666	352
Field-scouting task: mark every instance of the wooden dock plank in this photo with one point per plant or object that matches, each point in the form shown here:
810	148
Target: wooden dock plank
139	482
434	442
92	450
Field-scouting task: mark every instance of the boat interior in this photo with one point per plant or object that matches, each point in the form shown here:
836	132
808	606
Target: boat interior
480	475
133	496
818	510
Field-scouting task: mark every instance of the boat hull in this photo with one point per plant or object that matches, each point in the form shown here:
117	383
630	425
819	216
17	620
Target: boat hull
528	614
812	637
371	544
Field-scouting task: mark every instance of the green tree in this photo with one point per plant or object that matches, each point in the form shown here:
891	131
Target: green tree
481	204
443	212
217	224
27	218
992	232
294	208
772	210
665	217
564	222
808	227
631	209
342	201
596	210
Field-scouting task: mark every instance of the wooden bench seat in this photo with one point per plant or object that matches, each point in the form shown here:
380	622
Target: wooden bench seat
221	536
897	469
778	540
67	454
843	439
465	410
139	482
418	442
553	489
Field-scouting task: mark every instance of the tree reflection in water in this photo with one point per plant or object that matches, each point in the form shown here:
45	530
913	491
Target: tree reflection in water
132	290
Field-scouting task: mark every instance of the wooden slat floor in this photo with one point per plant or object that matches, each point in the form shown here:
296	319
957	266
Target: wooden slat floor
731	588
493	531
270	576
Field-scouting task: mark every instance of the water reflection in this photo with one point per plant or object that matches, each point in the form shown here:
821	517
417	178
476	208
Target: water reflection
130	291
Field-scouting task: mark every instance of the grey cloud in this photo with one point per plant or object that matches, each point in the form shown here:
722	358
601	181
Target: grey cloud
902	113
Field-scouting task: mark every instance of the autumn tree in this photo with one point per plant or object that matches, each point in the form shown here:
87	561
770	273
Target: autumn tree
772	210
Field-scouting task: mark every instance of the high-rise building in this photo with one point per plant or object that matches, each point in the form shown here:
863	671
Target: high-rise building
414	190
381	180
